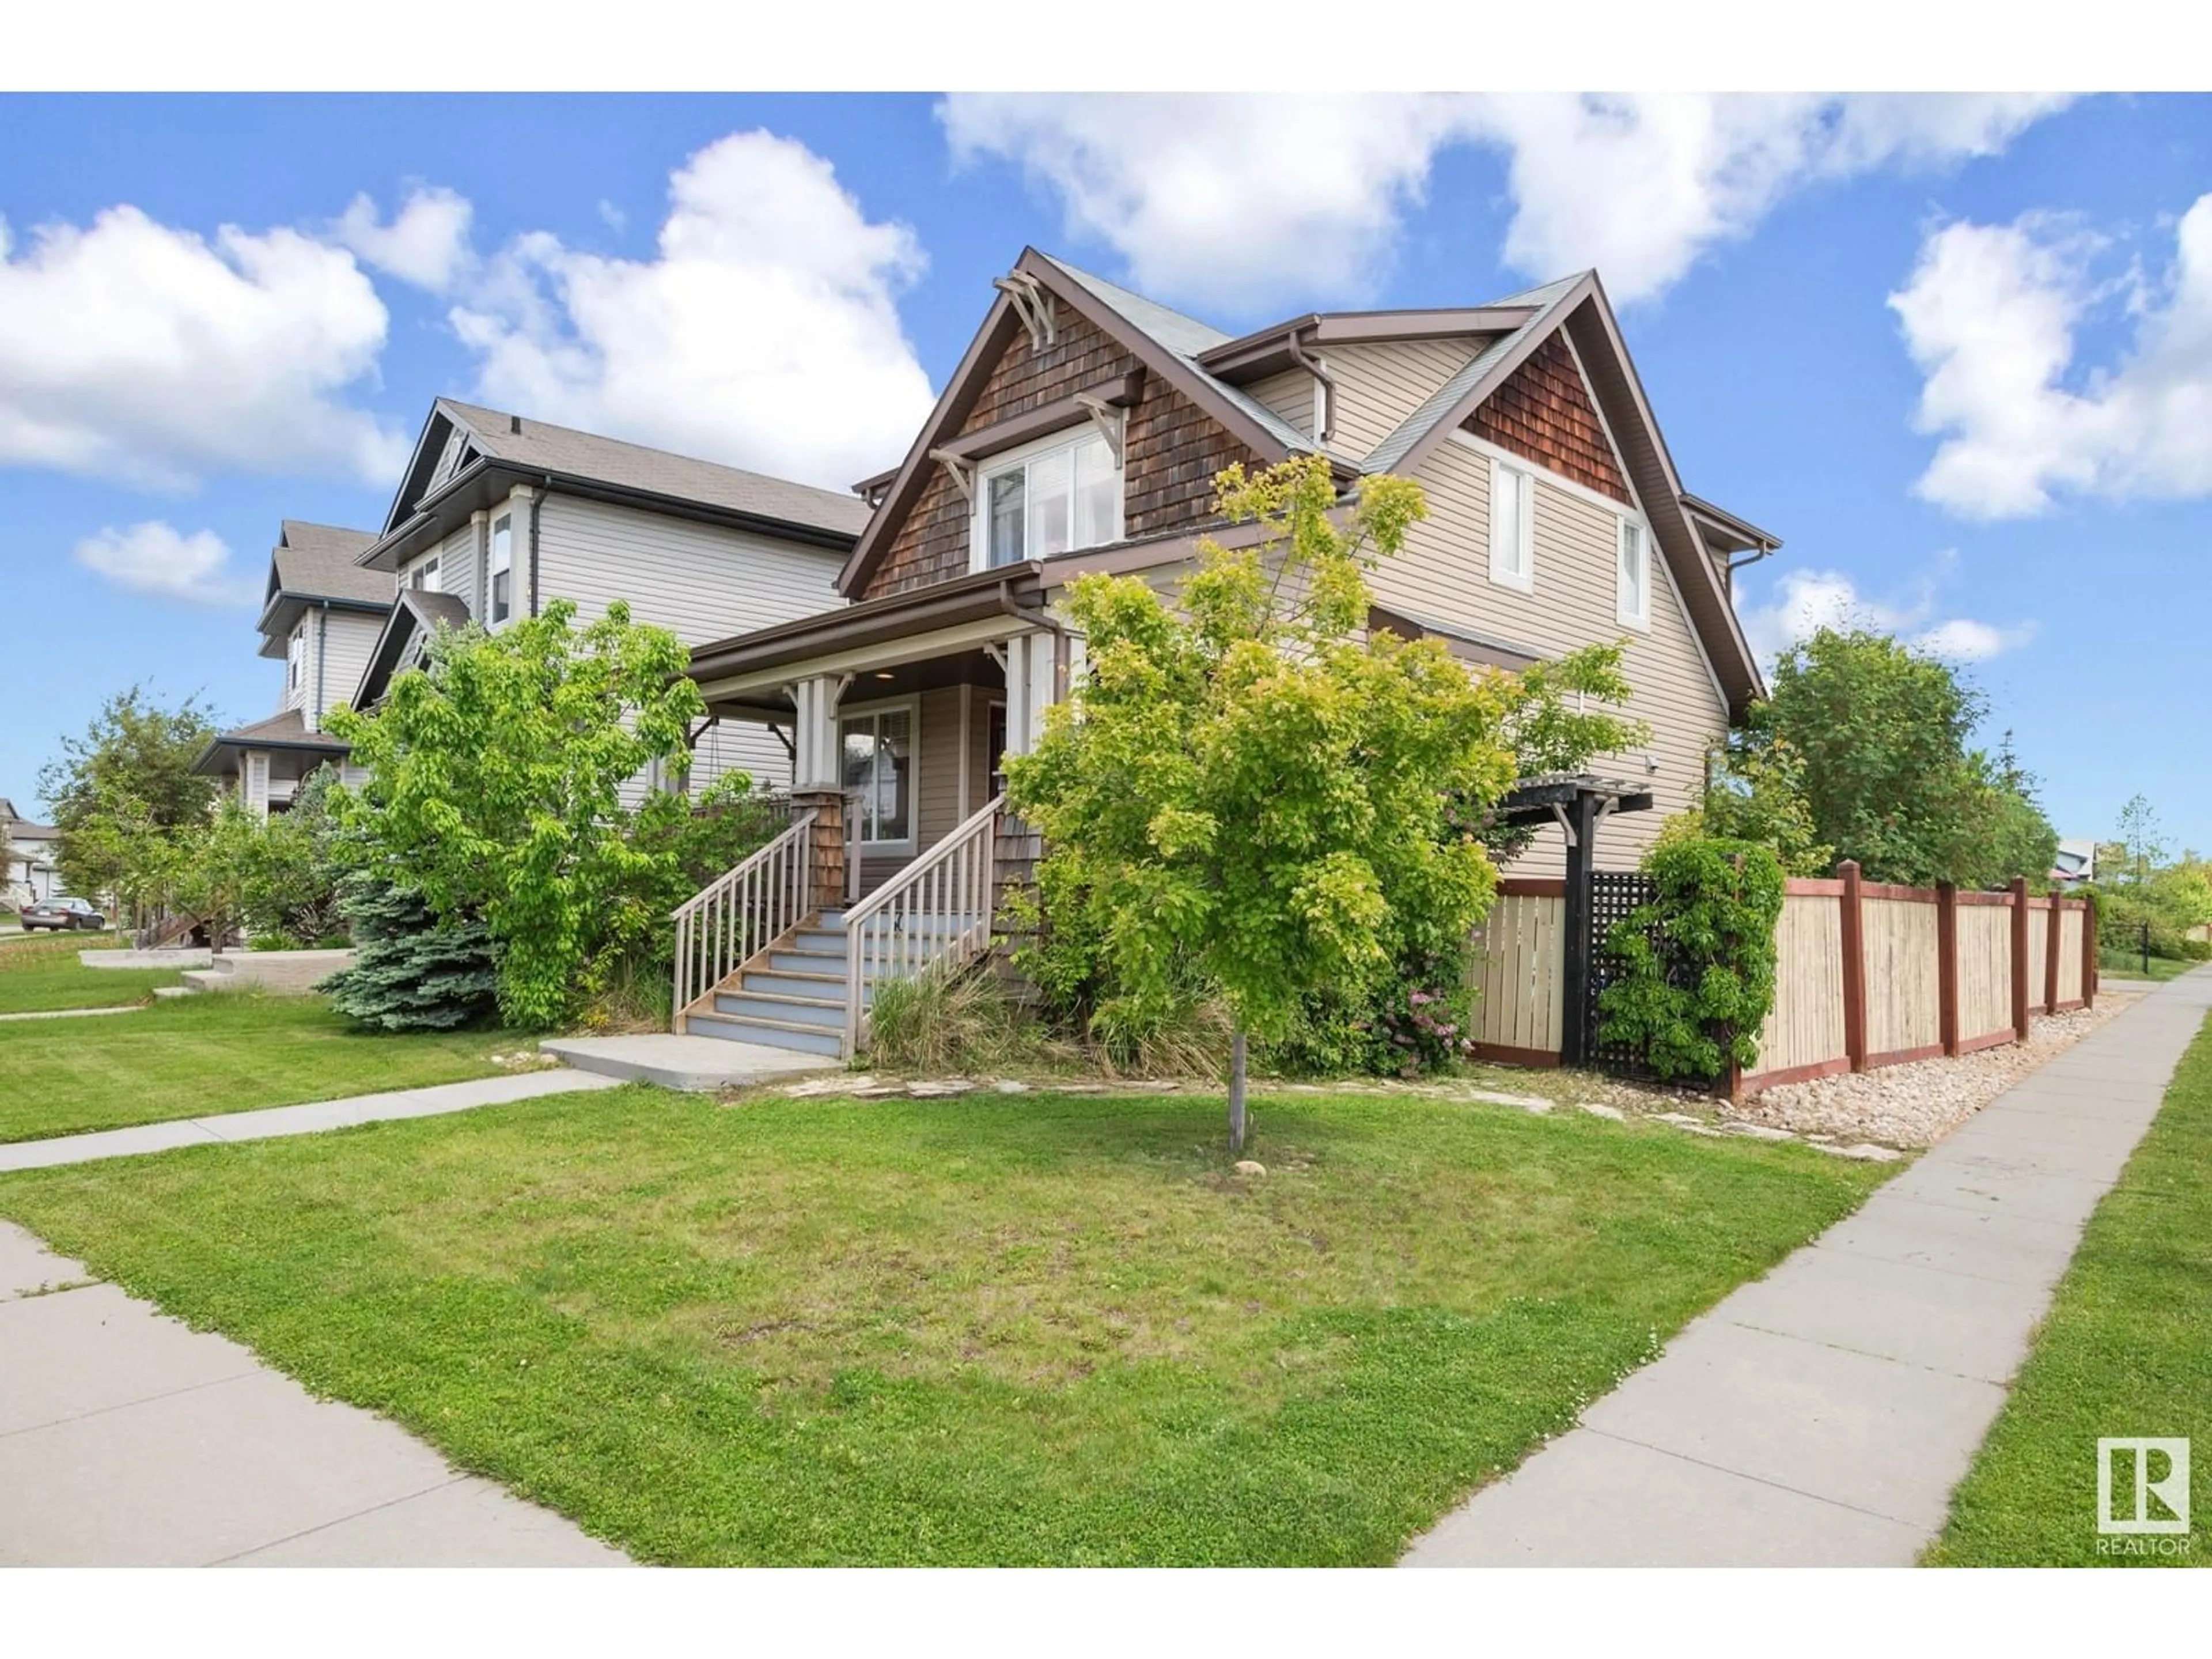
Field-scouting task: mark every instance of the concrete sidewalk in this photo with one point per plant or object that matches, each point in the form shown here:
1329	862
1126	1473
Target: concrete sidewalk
127	1440
1821	1416
309	1118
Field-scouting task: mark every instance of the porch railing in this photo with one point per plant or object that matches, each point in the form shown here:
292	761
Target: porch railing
725	924
936	909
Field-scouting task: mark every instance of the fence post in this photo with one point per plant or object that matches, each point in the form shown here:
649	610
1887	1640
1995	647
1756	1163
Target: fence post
2020	1008
2054	933
1575	1043
2090	963
1854	1019
1946	965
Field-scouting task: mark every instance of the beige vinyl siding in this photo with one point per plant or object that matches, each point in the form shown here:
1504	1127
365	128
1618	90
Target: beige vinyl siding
939	766
1377	387
347	641
703	582
1444	575
1288	395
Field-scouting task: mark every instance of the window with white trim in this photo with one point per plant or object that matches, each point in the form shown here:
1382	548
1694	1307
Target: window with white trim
1049	497
295	658
1635	585
877	766
425	579
501	600
1512	526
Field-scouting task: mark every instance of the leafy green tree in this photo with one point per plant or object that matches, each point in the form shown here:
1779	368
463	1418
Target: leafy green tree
1887	774
294	867
1561	715
214	867
125	791
2142	844
497	784
1249	789
1755	792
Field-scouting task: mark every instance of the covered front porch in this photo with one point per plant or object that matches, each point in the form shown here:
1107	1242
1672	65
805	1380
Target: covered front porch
897	713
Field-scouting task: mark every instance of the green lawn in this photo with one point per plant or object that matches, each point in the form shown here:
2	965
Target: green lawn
2129	964
46	975
1042	1329
2126	1350
225	1052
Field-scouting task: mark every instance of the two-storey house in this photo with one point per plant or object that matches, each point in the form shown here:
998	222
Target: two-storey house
1082	431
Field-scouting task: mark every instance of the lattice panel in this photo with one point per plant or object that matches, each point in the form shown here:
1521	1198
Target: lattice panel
1615	894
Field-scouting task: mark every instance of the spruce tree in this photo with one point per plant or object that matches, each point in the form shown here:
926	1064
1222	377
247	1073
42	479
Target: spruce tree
410	973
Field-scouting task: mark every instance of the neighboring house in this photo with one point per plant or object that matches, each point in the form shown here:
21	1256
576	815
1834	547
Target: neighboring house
1082	432
2075	860
321	616
498	515
29	874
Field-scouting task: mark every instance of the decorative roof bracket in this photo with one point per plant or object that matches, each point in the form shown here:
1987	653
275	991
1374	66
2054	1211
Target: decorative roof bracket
1112	420
961	472
1033	305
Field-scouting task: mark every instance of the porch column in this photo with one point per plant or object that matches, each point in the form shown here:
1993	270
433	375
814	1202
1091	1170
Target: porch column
817	783
1035	682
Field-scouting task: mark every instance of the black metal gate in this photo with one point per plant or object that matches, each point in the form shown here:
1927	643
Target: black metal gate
1615	895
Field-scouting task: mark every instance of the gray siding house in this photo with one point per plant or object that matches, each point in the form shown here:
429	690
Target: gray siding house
498	515
321	617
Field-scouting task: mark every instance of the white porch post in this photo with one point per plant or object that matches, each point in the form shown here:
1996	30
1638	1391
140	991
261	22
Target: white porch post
1033	685
253	781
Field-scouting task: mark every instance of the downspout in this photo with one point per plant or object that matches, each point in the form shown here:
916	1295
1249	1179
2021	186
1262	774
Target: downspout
1734	565
1313	366
322	656
537	500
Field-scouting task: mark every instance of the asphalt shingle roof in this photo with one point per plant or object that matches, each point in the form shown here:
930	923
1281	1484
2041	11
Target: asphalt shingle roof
610	460
316	560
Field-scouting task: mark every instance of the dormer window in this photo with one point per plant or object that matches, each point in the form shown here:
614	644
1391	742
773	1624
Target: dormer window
1054	496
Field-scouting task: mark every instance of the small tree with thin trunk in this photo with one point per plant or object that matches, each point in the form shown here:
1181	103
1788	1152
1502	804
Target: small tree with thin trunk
1248	787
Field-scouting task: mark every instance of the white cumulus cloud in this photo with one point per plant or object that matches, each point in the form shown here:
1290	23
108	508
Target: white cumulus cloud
765	334
1992	317
133	350
1249	200
157	558
1807	601
427	242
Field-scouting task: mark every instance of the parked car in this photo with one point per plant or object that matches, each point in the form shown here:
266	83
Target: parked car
55	915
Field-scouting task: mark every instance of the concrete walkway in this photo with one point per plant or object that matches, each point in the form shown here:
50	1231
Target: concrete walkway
1821	1416
307	1119
128	1440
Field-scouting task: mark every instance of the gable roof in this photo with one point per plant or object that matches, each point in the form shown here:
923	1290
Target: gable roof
316	562
1166	342
419	614
1187	352
539	446
286	731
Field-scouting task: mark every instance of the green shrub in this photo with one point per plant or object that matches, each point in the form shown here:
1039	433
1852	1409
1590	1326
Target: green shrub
1699	960
409	972
953	1022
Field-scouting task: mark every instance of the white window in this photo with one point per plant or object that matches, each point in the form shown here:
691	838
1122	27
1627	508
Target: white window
1050	497
295	658
501	598
1512	526
877	769
425	579
1635	574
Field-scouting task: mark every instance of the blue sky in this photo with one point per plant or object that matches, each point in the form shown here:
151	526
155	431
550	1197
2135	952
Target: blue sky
1957	353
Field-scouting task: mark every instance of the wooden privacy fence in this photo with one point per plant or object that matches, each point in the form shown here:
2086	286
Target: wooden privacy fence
1866	974
1869	974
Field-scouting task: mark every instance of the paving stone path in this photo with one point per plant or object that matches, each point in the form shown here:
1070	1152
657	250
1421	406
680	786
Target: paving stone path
1821	1416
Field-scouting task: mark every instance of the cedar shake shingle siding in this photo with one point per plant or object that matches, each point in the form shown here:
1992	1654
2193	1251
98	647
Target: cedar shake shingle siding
1174	450
1543	413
